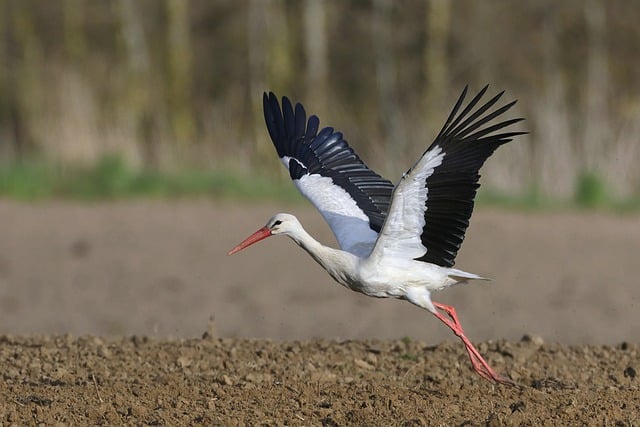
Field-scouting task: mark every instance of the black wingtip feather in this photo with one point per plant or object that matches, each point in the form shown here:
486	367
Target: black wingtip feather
312	127
467	140
454	111
301	120
469	124
273	120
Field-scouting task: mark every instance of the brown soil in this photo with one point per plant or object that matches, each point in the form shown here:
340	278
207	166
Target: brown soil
160	270
90	380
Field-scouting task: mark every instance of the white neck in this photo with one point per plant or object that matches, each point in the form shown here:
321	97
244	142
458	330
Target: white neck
339	264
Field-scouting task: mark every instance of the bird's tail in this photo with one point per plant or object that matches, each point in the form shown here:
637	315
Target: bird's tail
463	276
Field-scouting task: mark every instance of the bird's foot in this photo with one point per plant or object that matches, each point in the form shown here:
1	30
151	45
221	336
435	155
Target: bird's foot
482	368
480	365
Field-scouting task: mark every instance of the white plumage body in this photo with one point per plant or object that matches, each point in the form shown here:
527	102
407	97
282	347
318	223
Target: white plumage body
377	275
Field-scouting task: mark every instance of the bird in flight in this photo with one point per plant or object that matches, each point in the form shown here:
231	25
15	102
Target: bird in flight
395	241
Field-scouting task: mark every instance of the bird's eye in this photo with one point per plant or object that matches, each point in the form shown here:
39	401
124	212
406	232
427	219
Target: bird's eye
278	222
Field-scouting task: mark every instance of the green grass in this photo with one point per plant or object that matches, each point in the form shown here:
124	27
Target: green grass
590	191
112	179
530	200
591	194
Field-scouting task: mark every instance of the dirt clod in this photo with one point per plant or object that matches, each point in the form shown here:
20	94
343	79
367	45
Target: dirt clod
630	372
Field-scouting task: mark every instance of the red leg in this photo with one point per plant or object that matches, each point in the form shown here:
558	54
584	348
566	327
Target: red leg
479	364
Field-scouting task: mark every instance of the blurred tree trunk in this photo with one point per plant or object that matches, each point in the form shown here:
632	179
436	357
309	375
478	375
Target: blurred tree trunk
279	61
597	131
73	22
7	141
26	79
386	77
257	32
137	98
179	75
555	163
270	68
316	51
435	56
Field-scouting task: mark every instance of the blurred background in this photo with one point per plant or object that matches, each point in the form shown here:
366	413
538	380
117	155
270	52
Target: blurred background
163	100
168	85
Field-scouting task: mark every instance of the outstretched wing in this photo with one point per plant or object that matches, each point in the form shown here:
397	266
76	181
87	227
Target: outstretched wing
433	202
352	198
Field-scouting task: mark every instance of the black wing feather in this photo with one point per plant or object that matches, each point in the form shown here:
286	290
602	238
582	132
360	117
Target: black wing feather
453	184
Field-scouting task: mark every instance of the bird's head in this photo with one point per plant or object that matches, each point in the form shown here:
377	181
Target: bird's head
281	223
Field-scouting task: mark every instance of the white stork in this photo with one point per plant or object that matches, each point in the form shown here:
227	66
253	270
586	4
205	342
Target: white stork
395	242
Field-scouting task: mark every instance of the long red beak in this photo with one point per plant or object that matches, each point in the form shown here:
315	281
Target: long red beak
261	234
